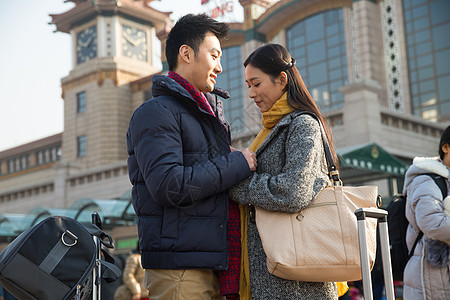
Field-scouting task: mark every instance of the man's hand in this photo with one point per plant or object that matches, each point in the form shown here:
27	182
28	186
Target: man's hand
250	156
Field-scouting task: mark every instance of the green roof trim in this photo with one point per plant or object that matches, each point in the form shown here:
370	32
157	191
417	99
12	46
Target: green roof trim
372	157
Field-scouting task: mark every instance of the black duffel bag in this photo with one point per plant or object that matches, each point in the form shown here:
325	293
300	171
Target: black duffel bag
55	260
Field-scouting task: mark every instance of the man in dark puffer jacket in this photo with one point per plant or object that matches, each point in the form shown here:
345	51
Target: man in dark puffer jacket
180	165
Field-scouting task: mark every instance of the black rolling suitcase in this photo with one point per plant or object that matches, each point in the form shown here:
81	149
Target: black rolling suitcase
58	258
381	216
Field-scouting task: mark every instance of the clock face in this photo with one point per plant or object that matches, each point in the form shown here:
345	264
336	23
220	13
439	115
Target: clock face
87	44
134	43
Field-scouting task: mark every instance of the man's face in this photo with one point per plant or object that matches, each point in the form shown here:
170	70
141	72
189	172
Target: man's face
206	64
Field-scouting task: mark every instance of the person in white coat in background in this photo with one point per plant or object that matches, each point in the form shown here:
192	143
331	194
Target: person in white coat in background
426	275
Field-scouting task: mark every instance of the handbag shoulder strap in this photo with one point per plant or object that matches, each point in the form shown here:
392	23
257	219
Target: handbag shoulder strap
333	172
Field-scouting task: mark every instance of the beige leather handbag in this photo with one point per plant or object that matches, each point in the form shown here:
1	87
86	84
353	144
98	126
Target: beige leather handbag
319	243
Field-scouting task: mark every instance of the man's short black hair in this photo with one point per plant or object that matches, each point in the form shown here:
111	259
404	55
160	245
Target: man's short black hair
191	30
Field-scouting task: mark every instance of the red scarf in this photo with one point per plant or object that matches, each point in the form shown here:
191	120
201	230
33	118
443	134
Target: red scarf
229	279
196	95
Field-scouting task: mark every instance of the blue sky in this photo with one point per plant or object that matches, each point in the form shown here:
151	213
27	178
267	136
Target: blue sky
33	59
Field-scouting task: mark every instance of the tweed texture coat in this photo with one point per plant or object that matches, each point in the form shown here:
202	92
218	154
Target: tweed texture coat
425	212
291	171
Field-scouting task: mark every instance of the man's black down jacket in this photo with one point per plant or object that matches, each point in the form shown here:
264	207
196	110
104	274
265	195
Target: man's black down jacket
180	166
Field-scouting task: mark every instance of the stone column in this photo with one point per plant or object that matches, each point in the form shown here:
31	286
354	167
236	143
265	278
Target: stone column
362	119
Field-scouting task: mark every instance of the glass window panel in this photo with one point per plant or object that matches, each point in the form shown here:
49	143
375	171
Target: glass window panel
412	64
331	17
81	143
422	36
418	2
428	99
444	88
335	74
420	11
334	63
406	4
430	113
442	62
426	86
334	51
409	27
317	74
440	11
333	41
423	48
414	89
441	36
407	16
411	51
299	41
332	29
335	85
301	62
81	102
424	61
426	73
314	28
413	76
444	108
316	52
318	93
420	23
300	51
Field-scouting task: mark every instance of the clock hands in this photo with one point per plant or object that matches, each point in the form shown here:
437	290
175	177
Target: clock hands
130	39
87	43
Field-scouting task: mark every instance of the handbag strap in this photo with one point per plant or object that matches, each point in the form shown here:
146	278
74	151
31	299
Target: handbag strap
333	172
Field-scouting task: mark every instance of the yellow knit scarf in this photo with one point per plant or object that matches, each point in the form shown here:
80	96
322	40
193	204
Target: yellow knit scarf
269	120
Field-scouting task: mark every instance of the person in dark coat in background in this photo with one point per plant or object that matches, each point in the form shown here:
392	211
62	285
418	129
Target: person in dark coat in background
180	165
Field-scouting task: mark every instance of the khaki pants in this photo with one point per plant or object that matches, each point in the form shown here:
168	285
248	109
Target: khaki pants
182	284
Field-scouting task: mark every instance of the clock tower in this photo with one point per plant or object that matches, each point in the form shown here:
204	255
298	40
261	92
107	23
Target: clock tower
114	42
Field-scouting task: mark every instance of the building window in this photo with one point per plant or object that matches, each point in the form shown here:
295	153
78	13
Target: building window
81	102
81	146
318	45
45	156
231	80
427	28
19	163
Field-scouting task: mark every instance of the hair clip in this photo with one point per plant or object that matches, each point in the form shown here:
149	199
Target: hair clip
290	65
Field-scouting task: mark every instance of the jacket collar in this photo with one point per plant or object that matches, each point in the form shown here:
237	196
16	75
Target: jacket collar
164	85
431	164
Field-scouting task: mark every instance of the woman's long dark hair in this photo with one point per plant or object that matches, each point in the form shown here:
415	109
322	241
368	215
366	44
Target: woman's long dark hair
273	59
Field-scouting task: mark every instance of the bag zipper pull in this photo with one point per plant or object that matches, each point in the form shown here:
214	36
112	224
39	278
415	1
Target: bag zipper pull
78	293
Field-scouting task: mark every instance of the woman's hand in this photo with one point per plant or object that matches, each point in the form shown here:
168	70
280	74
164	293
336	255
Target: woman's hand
136	296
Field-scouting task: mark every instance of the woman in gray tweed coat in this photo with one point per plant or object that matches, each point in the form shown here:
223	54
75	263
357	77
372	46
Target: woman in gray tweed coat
291	164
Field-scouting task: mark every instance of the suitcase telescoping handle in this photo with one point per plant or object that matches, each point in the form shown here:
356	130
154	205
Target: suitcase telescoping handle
381	216
96	273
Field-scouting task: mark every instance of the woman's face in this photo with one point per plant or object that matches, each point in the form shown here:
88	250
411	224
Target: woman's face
263	90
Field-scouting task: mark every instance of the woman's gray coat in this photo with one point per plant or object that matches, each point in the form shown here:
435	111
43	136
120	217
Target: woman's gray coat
424	211
291	171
